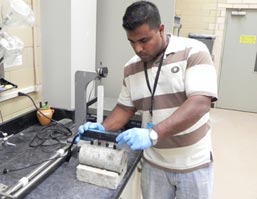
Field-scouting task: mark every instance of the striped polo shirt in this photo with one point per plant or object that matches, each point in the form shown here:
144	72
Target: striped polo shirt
187	70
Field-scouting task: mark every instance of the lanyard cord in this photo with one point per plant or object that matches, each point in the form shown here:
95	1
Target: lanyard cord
155	82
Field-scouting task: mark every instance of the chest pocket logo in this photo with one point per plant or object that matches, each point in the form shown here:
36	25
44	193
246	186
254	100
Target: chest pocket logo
175	69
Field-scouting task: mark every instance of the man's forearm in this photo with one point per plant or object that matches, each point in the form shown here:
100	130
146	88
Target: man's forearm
184	117
118	118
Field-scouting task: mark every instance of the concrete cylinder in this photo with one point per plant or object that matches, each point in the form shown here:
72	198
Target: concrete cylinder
103	157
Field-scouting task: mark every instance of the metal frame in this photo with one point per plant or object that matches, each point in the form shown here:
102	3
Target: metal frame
82	80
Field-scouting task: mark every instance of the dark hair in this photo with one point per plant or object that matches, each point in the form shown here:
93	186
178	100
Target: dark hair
139	13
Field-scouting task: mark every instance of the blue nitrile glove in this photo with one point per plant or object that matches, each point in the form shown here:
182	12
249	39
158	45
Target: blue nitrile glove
149	125
135	138
89	126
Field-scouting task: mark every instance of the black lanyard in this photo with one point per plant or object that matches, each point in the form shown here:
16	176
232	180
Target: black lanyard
155	82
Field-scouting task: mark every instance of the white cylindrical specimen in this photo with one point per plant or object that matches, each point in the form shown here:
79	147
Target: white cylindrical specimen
103	157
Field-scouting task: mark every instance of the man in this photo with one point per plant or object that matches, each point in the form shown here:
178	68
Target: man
171	81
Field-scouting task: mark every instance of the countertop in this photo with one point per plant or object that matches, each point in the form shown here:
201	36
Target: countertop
62	182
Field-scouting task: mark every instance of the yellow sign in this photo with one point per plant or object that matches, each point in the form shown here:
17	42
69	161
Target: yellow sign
247	39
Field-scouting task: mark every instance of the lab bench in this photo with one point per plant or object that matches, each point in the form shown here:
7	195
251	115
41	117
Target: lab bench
60	182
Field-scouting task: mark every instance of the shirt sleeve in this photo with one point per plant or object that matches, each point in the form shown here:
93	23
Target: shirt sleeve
124	96
201	78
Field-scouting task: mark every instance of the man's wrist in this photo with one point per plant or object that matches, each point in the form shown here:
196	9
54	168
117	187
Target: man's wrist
153	135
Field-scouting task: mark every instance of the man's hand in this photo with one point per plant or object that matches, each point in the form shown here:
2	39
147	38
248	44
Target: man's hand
89	126
135	138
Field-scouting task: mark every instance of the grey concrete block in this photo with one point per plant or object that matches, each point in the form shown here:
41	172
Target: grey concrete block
99	177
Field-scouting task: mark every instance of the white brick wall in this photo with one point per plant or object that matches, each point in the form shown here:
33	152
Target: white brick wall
208	17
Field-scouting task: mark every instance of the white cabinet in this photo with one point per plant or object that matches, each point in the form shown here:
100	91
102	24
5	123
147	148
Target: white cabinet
133	187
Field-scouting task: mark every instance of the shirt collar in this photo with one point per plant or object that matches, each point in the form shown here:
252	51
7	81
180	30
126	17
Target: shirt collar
171	48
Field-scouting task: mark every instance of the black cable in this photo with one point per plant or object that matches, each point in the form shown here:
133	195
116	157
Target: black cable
52	120
5	170
48	132
69	150
93	87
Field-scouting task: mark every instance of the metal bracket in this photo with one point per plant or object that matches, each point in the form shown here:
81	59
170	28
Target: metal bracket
82	80
4	141
3	188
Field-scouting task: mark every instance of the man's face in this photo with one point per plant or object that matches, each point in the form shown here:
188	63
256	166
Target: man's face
147	43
